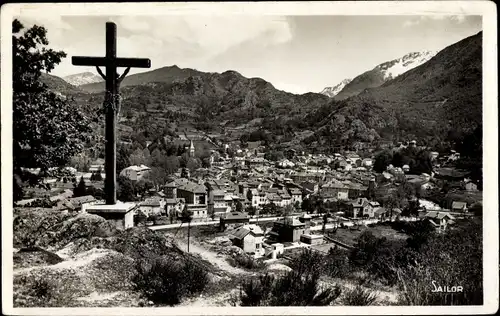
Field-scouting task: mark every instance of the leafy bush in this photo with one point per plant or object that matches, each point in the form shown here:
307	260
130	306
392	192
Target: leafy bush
290	289
44	203
336	263
246	262
450	259
42	289
168	282
380	257
359	296
308	262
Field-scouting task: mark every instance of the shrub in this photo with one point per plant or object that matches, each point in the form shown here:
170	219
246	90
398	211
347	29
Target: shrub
336	263
42	289
450	259
168	282
246	262
359	296
290	289
308	262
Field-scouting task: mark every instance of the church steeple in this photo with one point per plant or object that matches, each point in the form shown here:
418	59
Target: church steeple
191	149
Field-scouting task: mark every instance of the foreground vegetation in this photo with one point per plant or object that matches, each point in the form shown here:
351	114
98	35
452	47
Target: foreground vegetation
453	258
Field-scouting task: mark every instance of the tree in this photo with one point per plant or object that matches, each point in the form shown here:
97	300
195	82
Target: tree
239	206
251	210
48	129
186	215
370	193
122	157
269	208
205	162
137	158
296	205
126	190
80	189
307	205
193	164
287	210
98	175
171	164
382	160
147	157
184	173
184	160
157	176
391	203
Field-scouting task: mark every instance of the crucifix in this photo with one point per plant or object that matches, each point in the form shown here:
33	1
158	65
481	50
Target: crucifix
111	100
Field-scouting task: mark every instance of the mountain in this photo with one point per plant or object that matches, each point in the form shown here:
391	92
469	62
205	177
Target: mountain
383	73
430	102
59	85
163	75
82	78
156	102
440	100
333	91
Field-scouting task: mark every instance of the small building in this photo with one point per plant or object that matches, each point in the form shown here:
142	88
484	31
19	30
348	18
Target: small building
380	213
152	206
367	162
233	219
296	195
470	186
217	203
335	189
288	229
96	168
310	186
121	215
250	238
406	168
356	208
312	240
460	207
194	195
275	250
440	220
370	208
174	207
135	173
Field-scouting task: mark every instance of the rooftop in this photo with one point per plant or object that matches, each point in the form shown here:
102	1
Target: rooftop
236	215
242	231
138	168
119	207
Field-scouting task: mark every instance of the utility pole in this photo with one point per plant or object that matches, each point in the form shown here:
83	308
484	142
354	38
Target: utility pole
189	231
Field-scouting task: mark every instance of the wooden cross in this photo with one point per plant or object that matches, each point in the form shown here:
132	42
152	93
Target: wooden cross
111	102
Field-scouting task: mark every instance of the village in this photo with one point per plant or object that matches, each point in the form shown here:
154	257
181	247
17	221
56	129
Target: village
270	208
190	187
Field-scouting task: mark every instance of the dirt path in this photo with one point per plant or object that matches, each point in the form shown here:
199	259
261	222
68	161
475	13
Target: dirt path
77	262
210	256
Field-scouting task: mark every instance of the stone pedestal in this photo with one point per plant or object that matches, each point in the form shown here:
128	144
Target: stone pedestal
121	215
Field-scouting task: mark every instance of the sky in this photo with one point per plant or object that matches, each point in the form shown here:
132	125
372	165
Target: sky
298	54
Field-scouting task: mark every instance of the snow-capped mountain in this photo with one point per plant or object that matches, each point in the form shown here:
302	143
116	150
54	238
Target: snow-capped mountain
409	61
383	73
333	91
82	78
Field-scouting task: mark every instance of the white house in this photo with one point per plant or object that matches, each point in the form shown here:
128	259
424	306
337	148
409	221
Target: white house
152	206
174	206
250	238
440	220
296	195
135	173
367	162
